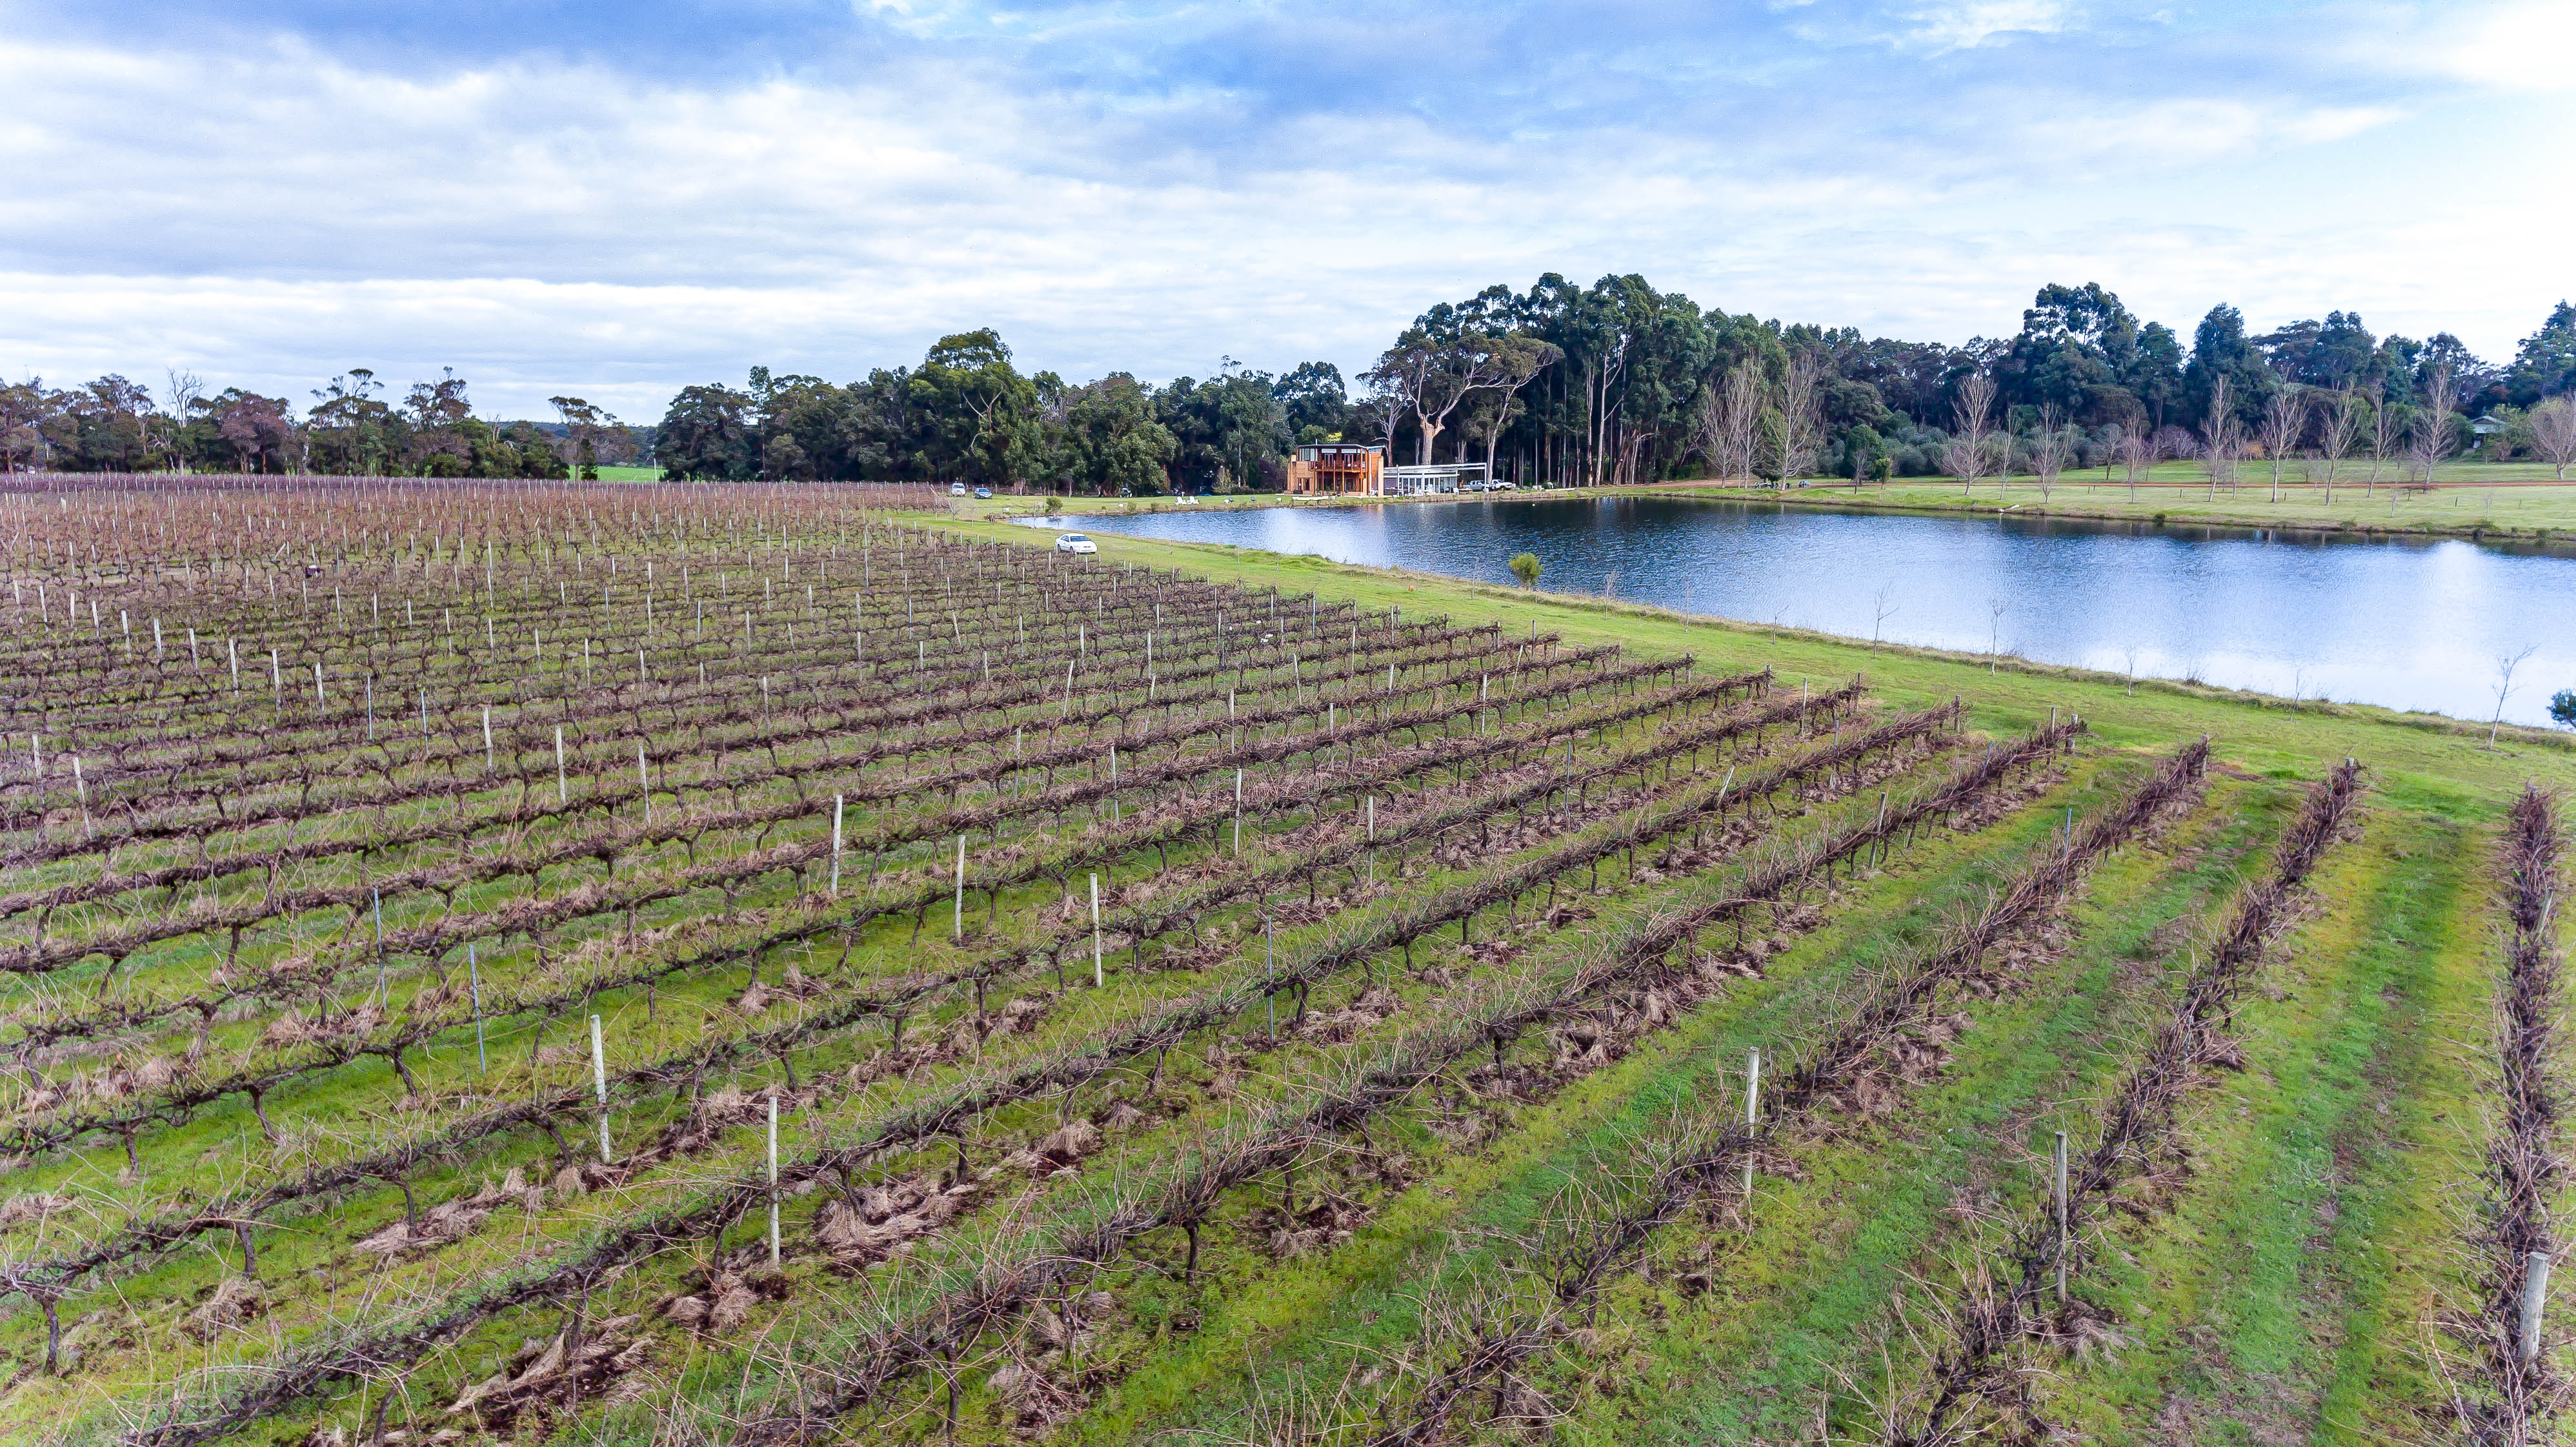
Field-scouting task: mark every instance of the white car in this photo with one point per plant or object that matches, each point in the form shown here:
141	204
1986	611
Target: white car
956	489
1075	543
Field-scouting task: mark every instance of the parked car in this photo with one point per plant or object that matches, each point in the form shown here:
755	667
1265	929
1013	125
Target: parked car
984	492
956	489
1075	543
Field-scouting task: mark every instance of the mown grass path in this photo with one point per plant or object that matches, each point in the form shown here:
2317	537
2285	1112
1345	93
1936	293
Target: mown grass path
2284	1297
1803	1302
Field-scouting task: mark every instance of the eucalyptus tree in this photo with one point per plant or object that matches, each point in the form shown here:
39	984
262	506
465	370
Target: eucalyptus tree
353	430
1517	361
592	436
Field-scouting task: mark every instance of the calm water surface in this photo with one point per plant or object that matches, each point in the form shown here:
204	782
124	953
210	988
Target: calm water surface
2417	625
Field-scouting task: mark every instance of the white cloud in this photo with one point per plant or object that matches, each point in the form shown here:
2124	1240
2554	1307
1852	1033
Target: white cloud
2521	45
1978	22
272	214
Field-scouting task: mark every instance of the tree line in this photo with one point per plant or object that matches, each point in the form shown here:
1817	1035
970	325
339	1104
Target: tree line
1617	382
352	426
1562	385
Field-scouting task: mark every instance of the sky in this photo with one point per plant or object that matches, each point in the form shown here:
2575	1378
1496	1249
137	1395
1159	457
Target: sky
614	201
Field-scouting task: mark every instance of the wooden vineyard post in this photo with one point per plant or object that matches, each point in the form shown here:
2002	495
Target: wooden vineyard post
1270	975
276	680
2535	1302
563	791
1372	841
474	979
1097	977
2061	1218
232	652
644	780
599	1084
488	765
836	846
957	931
773	1176
1752	1115
1238	813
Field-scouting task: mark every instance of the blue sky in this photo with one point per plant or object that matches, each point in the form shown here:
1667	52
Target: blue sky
615	202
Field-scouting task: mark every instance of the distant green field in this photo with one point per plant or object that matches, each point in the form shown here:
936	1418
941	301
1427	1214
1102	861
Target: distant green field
2518	499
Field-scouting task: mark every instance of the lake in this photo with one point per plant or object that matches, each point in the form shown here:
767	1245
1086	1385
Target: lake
2411	624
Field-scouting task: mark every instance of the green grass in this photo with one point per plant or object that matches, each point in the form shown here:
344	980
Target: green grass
1802	1303
2289	1293
2514	499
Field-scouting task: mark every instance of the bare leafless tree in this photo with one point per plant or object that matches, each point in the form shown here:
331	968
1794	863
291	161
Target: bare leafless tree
186	391
2048	451
1800	399
2139	452
2383	441
2553	431
2505	667
2428	437
2219	442
2338	423
1731	421
1994	631
2285	421
1972	419
1885	599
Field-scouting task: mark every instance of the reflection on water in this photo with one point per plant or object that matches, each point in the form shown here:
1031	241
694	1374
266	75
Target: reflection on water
2408	624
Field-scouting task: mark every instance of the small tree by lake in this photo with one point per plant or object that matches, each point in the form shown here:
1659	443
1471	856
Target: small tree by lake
2553	432
1526	567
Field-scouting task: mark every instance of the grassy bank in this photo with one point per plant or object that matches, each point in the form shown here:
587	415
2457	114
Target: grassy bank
2507	501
